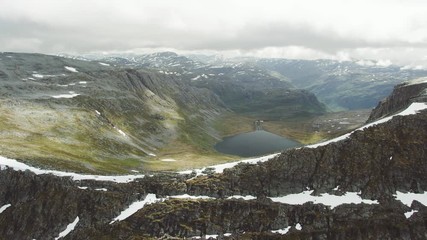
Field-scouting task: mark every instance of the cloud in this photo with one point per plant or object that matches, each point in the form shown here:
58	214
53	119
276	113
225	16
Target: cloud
309	29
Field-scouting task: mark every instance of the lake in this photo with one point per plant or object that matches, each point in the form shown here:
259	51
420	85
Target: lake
254	144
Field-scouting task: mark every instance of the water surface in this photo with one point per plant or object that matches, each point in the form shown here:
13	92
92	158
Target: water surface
254	144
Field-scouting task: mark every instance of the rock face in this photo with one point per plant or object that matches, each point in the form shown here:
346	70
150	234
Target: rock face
376	162
402	96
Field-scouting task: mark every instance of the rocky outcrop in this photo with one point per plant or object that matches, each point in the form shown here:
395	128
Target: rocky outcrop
402	96
43	205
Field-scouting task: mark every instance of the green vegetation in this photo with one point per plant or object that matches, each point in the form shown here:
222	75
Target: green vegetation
70	139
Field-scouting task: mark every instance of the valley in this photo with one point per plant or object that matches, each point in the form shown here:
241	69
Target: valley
213	120
155	112
318	191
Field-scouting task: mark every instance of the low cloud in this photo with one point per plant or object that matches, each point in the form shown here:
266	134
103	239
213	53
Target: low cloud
305	29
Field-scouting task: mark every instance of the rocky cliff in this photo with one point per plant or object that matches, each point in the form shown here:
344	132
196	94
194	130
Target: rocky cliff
368	184
402	96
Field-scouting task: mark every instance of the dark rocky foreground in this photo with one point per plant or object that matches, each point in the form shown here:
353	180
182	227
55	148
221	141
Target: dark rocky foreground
377	162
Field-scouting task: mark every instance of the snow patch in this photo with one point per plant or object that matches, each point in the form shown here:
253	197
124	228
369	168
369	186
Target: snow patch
186	196
221	167
282	231
149	199
70	94
121	132
408	198
18	166
82	82
4	207
134	207
414	108
196	78
36	75
70	227
152	154
71	69
247	197
97	112
83	188
104	64
101	189
417	81
325	199
168	160
211	236
298	227
409	214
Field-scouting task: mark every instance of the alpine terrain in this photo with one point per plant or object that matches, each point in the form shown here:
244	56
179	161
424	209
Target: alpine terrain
122	147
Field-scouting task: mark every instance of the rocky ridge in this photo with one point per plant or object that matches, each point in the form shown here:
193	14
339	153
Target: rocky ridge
377	163
403	95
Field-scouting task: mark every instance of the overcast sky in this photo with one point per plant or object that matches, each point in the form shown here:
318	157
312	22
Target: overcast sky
390	31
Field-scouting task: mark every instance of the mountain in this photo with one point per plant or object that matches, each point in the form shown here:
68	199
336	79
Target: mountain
343	85
245	88
125	113
367	184
93	117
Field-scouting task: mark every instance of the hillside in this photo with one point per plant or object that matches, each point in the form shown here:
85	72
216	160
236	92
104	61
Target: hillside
367	184
343	85
90	116
127	114
245	88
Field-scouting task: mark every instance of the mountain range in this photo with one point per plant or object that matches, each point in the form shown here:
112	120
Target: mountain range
366	184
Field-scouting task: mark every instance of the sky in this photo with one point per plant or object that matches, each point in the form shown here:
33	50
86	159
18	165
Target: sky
388	31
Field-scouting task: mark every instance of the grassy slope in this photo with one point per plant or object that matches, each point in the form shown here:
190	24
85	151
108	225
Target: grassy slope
79	140
73	139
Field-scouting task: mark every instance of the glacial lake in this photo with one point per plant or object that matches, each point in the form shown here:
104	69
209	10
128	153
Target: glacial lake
254	143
